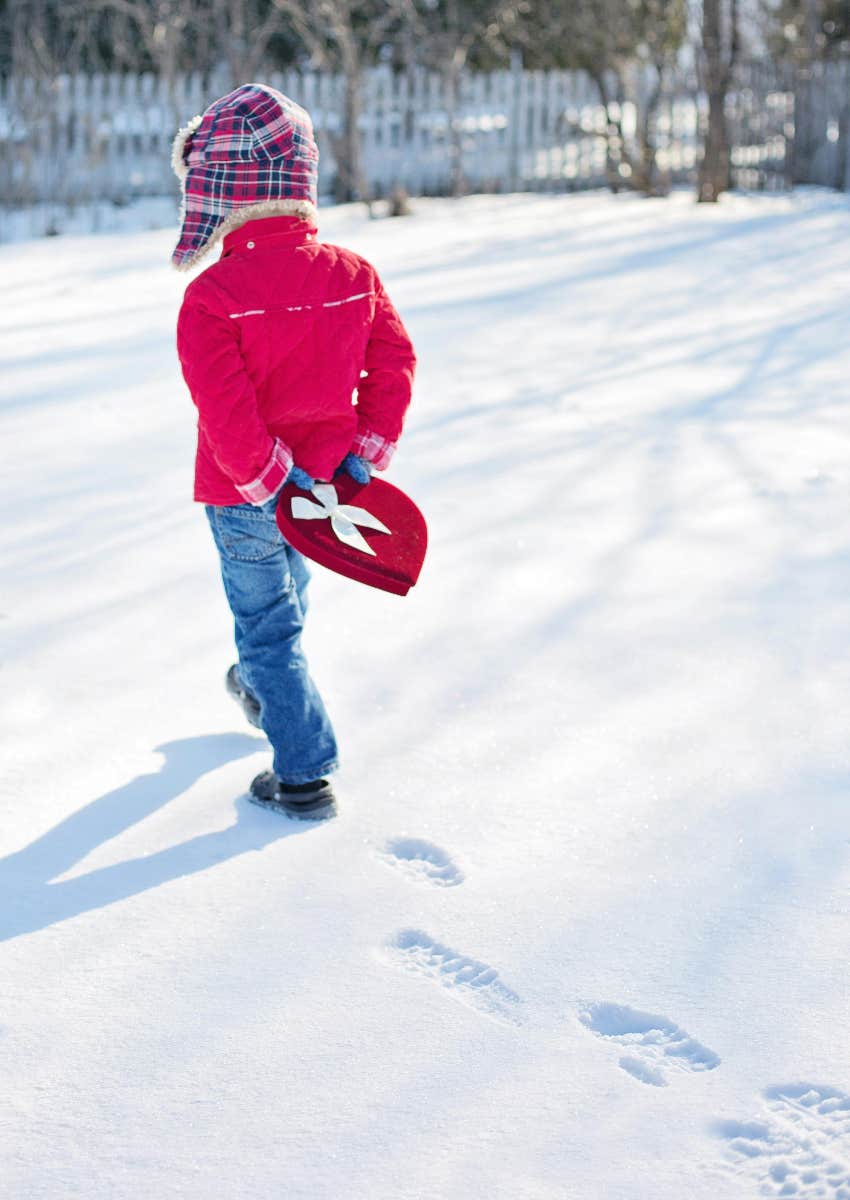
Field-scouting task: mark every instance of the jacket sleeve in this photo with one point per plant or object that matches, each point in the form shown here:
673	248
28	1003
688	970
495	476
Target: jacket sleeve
384	392
228	414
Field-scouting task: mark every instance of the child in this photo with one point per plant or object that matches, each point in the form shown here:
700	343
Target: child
273	339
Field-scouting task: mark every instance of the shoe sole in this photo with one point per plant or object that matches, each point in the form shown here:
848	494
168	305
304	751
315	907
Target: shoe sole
317	810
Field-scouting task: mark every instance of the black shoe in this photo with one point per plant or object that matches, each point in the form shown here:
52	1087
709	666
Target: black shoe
310	801
249	702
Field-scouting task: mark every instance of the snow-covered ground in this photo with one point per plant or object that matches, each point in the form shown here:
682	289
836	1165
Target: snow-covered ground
581	929
51	220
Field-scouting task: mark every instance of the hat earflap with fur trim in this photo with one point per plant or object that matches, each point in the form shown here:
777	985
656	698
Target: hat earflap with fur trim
181	146
303	209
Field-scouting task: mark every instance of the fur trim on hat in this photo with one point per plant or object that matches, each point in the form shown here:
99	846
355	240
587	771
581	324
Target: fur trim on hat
304	209
177	146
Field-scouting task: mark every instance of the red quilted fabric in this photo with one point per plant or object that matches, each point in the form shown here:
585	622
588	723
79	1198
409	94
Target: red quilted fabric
273	340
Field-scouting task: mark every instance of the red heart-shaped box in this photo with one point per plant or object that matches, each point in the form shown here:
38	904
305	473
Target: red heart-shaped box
396	555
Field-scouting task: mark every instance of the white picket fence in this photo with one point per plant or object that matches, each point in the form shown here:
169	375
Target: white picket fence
109	136
82	138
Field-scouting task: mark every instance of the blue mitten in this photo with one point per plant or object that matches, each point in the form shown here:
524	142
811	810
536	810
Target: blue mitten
300	478
358	468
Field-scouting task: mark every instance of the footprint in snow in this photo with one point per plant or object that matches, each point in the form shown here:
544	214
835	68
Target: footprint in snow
798	1145
465	979
422	861
653	1045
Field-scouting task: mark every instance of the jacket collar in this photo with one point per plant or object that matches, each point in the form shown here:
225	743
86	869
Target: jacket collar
269	232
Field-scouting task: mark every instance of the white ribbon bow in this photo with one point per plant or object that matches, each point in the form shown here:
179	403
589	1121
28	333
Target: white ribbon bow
344	518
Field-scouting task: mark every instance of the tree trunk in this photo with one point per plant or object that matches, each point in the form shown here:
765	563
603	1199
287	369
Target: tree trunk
451	79
350	181
647	177
842	160
614	141
714	170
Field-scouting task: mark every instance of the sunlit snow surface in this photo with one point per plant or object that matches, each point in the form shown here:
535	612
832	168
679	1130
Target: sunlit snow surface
581	929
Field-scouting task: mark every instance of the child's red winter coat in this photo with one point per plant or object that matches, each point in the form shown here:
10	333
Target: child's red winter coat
273	340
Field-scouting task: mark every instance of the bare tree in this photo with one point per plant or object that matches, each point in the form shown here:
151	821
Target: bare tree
630	52
243	31
661	29
161	26
448	31
720	48
345	36
33	162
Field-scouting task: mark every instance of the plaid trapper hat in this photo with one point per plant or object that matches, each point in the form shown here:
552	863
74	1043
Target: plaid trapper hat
251	154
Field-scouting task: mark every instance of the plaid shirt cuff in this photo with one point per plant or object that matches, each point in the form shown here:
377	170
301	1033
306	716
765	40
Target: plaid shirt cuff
375	449
272	477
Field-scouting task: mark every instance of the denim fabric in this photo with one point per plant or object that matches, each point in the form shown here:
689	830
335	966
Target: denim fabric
265	581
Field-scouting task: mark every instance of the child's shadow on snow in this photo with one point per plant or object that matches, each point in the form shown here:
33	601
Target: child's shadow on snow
29	901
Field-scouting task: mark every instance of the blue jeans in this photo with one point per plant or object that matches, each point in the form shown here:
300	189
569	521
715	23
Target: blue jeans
265	581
